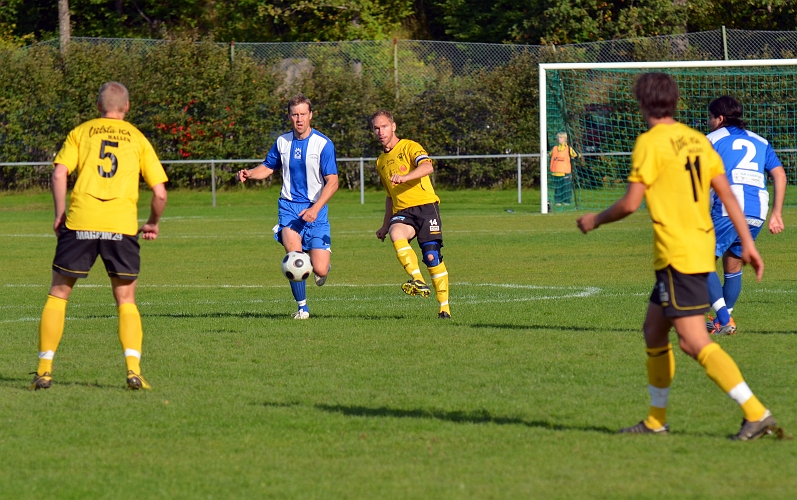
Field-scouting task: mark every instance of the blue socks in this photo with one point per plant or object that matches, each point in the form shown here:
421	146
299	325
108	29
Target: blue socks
717	299
732	289
299	290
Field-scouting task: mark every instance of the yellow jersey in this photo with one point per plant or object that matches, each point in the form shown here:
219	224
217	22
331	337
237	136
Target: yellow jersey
109	156
405	157
676	165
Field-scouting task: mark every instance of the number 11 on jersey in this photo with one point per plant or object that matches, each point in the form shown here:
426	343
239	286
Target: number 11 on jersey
694	174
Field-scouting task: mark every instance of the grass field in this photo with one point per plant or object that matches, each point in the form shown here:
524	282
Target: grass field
518	396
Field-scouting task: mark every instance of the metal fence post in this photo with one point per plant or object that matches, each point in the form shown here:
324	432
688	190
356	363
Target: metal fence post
395	67
725	42
362	181
519	181
213	180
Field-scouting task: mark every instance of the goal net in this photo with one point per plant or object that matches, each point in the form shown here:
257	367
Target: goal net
593	105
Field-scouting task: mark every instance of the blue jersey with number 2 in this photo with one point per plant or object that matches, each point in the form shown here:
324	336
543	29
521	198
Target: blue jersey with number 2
748	158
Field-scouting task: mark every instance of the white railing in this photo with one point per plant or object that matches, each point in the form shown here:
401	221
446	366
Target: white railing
361	161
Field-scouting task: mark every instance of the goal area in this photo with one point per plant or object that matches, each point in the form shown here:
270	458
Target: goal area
593	105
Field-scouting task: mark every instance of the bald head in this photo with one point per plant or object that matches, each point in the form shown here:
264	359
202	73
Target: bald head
113	98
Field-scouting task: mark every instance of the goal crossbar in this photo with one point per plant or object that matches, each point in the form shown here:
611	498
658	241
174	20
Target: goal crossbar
545	67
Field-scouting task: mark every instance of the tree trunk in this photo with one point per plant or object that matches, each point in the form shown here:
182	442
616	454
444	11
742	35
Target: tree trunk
63	23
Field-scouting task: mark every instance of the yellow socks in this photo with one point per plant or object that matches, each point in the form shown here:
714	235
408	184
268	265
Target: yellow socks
661	370
721	368
406	256
131	335
440	280
51	328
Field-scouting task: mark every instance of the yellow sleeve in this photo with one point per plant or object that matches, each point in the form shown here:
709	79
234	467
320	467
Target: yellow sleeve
68	155
716	167
573	153
417	153
151	168
643	162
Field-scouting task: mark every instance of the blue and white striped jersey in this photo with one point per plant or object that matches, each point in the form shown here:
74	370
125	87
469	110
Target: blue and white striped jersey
309	160
748	158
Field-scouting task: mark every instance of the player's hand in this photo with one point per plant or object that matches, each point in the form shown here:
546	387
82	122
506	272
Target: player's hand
752	257
243	175
396	179
381	233
587	222
57	224
775	224
149	231
309	214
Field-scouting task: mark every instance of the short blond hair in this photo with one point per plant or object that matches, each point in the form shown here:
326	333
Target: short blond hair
113	98
560	135
383	112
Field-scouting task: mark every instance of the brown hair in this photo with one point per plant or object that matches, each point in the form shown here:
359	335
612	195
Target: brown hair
657	94
299	99
729	108
113	97
382	112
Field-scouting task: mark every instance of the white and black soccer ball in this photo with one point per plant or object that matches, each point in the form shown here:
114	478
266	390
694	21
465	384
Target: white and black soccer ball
296	266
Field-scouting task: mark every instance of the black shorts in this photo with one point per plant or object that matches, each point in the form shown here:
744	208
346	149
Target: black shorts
425	219
680	294
77	251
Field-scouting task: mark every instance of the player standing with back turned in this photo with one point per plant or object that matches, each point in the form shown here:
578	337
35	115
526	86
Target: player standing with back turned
674	167
411	209
109	155
748	158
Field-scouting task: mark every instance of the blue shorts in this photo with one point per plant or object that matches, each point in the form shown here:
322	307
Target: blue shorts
315	235
728	239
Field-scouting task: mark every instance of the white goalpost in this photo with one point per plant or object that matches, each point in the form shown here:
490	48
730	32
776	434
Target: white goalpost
586	93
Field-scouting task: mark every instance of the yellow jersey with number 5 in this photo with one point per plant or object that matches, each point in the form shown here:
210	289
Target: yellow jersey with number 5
109	156
676	164
405	157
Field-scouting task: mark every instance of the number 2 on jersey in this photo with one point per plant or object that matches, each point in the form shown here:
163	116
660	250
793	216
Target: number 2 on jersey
694	174
107	154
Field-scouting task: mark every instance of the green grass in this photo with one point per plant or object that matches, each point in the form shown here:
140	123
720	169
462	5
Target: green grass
518	396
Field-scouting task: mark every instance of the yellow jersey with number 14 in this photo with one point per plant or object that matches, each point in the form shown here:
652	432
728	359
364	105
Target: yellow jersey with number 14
676	165
109	156
405	157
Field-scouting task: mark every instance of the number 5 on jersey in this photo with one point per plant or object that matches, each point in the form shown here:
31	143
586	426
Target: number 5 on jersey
107	154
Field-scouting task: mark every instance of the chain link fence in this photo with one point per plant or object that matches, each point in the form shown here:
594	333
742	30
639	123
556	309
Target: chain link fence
455	98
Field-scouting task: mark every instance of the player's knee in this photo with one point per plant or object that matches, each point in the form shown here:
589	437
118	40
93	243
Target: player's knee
431	254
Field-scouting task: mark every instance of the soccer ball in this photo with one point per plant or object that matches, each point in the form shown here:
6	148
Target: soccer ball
296	266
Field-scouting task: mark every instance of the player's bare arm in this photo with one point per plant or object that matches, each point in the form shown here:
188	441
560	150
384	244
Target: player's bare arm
779	183
60	174
749	252
621	208
382	231
258	173
330	187
149	231
424	169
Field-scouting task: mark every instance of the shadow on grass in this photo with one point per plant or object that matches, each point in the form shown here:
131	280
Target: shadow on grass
556	327
459	417
770	332
24	383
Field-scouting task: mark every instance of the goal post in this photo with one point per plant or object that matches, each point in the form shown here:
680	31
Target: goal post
593	105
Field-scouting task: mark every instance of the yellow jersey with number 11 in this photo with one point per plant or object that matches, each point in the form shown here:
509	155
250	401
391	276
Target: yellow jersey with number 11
405	157
109	156
676	165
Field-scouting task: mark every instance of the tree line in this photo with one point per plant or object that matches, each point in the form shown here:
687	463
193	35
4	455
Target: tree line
500	21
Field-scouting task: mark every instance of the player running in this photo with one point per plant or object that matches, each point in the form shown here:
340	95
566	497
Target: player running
411	209
109	155
748	158
674	167
309	179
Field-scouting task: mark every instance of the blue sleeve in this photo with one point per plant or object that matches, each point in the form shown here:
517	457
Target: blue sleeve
772	160
273	158
329	163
